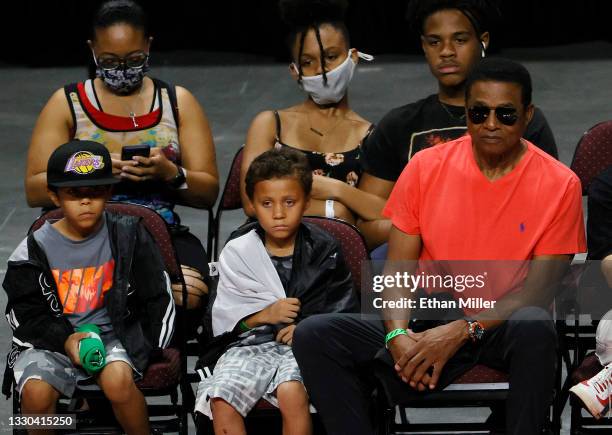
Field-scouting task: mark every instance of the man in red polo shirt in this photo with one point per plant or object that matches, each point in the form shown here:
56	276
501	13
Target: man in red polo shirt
488	196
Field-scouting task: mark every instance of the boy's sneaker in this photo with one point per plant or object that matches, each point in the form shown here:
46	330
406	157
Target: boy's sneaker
596	393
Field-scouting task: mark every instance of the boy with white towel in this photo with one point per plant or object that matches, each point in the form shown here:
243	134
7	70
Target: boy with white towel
278	271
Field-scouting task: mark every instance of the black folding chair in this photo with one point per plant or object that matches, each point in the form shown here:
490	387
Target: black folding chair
230	197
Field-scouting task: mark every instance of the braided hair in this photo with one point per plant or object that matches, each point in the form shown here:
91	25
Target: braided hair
302	15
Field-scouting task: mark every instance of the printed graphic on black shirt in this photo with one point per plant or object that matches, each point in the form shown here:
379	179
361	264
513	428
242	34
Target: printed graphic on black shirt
421	140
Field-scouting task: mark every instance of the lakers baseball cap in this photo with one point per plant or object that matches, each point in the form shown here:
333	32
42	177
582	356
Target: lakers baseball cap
80	163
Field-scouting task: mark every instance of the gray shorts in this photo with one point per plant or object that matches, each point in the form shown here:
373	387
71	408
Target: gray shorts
246	374
57	370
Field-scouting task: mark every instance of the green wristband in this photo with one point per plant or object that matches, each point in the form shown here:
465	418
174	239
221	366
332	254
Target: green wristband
391	335
243	326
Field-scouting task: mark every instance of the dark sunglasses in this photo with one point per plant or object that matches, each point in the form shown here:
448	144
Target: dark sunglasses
132	60
505	115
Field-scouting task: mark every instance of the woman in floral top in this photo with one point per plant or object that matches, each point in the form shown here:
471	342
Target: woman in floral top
323	127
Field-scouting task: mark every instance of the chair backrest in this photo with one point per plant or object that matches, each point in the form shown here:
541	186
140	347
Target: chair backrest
150	218
351	242
230	198
593	153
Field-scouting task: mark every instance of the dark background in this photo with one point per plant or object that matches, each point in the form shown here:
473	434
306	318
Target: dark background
53	33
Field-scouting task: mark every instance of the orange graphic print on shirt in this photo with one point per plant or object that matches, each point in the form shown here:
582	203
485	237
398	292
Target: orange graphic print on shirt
82	290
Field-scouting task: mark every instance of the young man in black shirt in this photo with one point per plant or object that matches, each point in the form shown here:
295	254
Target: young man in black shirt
454	39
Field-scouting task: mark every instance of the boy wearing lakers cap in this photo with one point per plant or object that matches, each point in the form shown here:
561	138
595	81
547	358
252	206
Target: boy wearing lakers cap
89	268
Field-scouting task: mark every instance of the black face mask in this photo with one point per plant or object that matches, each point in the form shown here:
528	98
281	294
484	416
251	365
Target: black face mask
123	81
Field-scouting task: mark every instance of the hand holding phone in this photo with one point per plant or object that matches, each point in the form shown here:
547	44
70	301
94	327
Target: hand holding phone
129	151
139	164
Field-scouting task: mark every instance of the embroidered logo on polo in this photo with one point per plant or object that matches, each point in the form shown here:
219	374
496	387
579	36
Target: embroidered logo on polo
83	163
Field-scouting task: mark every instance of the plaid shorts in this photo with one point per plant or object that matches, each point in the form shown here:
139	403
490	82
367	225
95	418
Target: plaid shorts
57	370
246	374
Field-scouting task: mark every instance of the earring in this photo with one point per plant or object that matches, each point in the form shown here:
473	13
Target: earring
484	47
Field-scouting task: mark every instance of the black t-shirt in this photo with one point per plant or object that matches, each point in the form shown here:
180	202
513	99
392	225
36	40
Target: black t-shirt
599	222
428	122
283	266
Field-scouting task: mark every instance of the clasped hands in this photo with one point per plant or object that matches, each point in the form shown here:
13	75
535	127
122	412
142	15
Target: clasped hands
420	357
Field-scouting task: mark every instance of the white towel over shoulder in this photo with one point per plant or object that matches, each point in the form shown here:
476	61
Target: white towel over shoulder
248	282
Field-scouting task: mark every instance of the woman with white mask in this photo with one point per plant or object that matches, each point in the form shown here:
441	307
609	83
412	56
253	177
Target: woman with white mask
323	126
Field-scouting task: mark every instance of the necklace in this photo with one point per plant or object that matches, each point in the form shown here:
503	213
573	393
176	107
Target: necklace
445	107
129	107
319	132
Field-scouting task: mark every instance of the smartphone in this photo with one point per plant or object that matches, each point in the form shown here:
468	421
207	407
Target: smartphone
129	151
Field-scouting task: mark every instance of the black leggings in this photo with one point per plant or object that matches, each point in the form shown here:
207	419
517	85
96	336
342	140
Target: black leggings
191	253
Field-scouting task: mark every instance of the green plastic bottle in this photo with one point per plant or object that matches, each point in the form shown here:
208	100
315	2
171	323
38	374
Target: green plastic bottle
91	349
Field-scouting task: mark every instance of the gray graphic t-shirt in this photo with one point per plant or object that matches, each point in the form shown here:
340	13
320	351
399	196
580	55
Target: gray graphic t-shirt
83	272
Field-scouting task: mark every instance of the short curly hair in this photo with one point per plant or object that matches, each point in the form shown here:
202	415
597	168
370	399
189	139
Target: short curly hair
279	163
482	13
497	69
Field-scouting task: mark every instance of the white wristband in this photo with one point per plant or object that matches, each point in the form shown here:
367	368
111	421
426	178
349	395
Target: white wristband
329	208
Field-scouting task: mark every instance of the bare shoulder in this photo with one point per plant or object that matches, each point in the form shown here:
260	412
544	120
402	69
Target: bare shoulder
59	102
358	122
184	96
260	137
190	109
264	120
261	133
55	114
58	95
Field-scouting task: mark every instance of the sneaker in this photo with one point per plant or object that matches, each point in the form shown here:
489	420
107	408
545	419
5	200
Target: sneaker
596	393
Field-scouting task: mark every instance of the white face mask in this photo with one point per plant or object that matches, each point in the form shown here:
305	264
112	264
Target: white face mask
338	80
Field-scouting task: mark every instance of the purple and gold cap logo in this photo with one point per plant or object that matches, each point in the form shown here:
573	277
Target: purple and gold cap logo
83	163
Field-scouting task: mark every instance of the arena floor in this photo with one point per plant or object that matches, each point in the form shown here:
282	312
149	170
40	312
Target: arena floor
571	85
